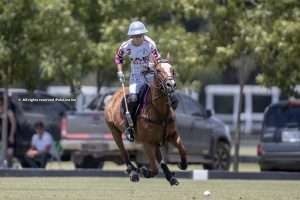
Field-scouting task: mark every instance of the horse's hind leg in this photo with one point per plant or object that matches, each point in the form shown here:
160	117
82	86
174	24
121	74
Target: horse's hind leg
177	142
131	169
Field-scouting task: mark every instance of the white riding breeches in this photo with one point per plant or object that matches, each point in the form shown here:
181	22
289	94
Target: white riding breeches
136	81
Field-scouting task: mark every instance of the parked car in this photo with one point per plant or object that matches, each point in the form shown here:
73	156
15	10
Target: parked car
29	107
207	139
86	136
279	147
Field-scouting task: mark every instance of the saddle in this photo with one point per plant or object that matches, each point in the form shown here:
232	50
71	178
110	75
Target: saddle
140	103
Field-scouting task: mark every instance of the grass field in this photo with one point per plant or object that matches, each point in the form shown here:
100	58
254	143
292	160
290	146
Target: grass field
146	189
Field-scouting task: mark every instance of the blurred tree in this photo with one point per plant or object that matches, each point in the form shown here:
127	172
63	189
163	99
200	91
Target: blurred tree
233	46
266	30
41	42
243	33
50	40
91	15
17	53
278	46
64	45
184	54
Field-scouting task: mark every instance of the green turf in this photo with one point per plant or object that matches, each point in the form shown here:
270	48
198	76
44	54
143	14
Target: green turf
146	189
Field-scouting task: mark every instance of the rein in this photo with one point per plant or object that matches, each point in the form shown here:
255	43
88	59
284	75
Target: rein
167	118
161	84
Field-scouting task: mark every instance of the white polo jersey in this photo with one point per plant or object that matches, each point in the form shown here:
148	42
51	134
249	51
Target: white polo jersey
139	57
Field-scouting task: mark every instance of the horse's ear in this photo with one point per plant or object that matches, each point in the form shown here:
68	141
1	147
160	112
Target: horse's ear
168	57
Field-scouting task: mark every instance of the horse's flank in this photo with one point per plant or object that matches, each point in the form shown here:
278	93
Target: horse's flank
112	112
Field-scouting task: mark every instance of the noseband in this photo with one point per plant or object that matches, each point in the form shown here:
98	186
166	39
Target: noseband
162	80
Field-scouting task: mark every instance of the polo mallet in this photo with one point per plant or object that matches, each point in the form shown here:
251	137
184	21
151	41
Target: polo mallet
127	114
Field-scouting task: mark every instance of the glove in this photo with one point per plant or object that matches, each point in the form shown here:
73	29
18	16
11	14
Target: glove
121	76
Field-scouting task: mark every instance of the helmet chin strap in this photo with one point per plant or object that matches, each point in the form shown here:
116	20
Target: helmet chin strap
135	43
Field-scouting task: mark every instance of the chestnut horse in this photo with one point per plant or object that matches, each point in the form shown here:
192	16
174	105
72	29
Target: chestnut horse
154	125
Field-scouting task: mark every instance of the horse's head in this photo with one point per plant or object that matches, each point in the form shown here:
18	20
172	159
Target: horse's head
165	76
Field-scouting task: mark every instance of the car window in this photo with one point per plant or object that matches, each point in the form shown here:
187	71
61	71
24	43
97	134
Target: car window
280	116
99	102
93	104
191	107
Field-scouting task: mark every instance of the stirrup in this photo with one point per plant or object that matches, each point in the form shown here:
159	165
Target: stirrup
129	132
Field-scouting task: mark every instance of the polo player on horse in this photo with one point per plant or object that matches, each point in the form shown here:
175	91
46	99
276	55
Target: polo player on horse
141	51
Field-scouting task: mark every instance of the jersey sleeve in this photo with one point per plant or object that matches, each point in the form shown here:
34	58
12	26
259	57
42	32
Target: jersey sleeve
155	53
120	54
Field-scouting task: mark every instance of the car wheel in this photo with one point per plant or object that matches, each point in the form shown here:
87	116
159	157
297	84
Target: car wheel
221	157
66	156
89	162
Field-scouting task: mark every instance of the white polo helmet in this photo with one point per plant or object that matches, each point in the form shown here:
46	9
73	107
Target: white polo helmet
136	28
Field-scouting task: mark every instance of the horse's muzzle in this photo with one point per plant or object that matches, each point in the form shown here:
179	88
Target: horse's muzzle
170	85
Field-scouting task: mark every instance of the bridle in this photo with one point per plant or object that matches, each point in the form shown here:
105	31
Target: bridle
161	81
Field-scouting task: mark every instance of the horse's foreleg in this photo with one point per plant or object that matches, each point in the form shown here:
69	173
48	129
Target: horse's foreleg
150	151
170	176
177	142
131	169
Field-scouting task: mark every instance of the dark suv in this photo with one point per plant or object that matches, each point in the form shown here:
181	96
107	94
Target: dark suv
279	147
29	110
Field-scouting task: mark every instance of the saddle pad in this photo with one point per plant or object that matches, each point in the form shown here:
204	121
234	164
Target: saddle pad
141	101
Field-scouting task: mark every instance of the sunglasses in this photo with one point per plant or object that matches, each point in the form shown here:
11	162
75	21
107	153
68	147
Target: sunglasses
137	36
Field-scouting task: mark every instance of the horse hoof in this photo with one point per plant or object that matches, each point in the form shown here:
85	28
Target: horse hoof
173	181
145	172
182	165
134	176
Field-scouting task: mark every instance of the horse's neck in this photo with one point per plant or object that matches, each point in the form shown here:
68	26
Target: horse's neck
159	101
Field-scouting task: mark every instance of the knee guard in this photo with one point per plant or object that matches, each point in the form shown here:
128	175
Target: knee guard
132	101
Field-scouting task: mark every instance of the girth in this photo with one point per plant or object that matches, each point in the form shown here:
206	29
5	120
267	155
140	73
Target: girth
162	122
157	121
